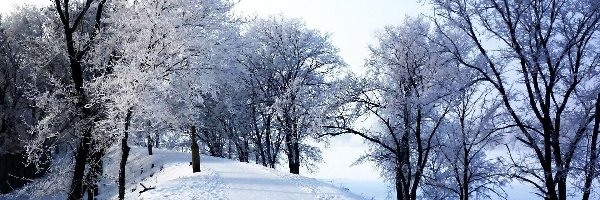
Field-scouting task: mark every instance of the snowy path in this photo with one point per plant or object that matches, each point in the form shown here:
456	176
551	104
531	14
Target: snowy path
220	179
249	182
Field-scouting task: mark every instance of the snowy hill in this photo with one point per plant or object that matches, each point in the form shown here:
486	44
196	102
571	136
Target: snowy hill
171	175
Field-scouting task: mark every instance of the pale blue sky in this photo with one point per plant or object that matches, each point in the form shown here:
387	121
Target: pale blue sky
352	23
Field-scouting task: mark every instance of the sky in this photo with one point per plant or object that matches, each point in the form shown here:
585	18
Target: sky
353	25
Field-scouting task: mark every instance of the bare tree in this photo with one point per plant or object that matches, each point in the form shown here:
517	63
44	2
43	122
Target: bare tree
461	168
542	59
405	94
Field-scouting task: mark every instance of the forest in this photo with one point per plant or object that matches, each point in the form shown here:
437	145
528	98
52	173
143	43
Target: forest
456	104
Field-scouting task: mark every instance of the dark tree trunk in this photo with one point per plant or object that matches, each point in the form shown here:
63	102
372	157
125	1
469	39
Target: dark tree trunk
260	154
149	144
257	158
96	170
246	151
77	187
195	152
242	151
296	157
268	142
75	56
465	174
591	167
156	140
125	153
230	149
398	182
293	159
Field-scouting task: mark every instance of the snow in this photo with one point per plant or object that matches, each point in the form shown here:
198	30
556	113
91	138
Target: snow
171	175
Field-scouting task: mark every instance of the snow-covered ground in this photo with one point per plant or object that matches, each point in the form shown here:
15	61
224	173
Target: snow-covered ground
170	173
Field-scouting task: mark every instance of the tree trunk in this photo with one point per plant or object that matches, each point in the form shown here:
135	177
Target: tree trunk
242	151
296	156
293	163
229	149
398	182
157	140
260	154
77	189
75	56
96	170
268	142
591	167
246	151
195	152
125	153
465	174
149	144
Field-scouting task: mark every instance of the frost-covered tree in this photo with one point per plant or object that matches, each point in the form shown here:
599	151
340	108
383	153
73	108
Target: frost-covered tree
461	167
29	58
127	62
293	63
159	52
78	39
258	84
138	50
542	59
406	96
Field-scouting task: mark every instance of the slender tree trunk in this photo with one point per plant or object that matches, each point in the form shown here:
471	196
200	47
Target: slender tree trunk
261	151
195	152
75	56
288	144
398	182
465	179
257	158
268	142
293	159
246	151
77	188
591	167
296	157
96	170
157	140
125	153
149	144
296	145
229	149
403	154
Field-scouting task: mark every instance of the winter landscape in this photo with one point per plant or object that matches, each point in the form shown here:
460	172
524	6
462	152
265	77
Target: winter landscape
300	99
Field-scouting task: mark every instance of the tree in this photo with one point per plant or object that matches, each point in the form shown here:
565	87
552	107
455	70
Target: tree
406	94
542	61
205	32
293	61
461	168
75	55
18	33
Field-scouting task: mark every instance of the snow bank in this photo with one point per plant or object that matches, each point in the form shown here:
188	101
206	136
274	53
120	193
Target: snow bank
170	174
